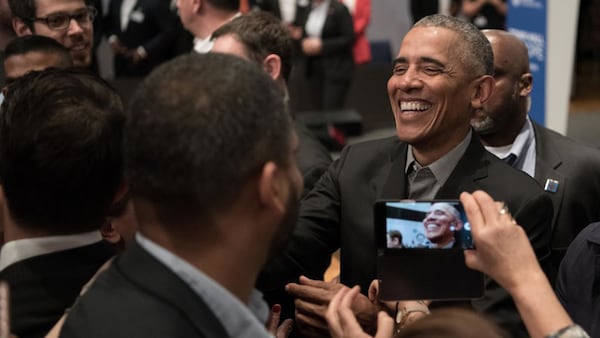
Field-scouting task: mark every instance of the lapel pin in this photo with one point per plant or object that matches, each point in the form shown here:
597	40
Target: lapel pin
551	185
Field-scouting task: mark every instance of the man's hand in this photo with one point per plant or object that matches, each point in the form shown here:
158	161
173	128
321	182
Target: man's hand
312	300
343	323
312	46
279	331
117	47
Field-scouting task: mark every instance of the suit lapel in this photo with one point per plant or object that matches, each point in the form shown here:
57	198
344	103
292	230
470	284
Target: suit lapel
148	273
393	186
469	169
547	161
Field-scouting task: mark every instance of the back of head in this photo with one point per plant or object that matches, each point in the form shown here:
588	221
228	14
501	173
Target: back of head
23	9
60	150
262	34
197	131
39	44
452	323
475	53
225	5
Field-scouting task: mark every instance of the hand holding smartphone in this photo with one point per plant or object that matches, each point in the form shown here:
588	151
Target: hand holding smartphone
420	251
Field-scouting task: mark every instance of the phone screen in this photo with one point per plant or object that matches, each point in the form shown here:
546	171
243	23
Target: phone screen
425	225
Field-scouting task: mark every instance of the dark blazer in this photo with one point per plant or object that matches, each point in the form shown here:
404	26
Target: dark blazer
313	158
140	297
577	169
43	287
156	32
578	282
338	213
272	6
337	40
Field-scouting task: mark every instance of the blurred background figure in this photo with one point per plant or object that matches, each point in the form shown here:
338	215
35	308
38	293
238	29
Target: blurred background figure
485	14
141	34
361	15
422	8
326	44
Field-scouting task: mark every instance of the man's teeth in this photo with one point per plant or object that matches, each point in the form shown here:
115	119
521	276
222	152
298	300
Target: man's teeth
414	106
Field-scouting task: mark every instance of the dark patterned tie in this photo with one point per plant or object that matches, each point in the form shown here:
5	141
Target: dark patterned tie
510	159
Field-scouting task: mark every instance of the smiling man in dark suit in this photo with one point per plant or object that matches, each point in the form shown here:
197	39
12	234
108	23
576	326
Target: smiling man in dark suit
441	75
569	171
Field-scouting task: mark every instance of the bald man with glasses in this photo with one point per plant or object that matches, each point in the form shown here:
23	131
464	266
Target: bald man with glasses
69	22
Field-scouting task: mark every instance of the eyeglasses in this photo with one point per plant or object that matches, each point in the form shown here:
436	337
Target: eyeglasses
60	21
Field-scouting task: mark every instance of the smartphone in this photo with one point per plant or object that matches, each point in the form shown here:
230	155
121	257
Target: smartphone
432	224
420	248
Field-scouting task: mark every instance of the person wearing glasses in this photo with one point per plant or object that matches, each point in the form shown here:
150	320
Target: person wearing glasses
69	22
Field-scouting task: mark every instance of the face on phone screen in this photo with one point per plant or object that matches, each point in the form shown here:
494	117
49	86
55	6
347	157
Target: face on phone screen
427	225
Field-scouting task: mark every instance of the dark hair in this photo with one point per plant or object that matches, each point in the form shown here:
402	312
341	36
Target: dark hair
61	135
197	131
395	234
262	34
475	51
453	323
38	43
26	10
228	5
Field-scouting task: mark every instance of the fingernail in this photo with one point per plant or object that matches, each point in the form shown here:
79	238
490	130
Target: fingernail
276	308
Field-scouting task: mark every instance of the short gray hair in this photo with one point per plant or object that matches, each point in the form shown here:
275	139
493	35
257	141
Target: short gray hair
476	51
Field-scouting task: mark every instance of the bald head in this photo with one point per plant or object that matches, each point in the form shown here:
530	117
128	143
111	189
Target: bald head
502	117
508	50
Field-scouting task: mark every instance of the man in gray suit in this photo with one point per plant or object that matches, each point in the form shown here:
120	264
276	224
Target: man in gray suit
568	171
215	185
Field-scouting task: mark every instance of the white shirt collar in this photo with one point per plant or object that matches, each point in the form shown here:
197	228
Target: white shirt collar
203	46
238	319
21	249
523	147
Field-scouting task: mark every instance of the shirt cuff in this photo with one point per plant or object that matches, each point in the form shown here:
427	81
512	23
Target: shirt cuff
142	51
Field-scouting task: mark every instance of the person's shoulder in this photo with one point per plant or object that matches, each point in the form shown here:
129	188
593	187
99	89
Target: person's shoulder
590	233
565	146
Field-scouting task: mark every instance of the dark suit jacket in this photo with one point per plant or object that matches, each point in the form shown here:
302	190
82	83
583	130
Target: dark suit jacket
139	297
156	33
338	213
272	6
578	283
313	158
577	169
43	287
337	40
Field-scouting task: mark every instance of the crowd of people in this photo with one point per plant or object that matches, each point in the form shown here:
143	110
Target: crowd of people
205	209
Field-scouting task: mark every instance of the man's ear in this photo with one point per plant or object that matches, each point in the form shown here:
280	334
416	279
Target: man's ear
20	27
458	224
197	5
272	65
270	188
109	233
484	86
525	84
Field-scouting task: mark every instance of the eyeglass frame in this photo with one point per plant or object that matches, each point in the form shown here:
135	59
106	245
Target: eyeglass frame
91	13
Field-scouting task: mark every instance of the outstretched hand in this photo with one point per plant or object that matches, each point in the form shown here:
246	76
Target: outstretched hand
279	331
342	322
312	297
